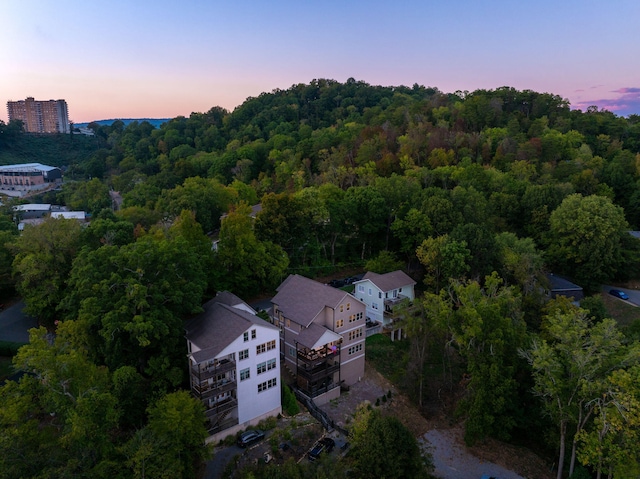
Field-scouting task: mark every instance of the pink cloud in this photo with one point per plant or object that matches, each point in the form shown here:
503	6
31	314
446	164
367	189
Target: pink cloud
626	102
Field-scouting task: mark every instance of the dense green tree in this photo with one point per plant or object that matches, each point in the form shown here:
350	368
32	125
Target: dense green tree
383	447
488	329
443	259
244	264
570	362
89	196
586	238
132	300
44	254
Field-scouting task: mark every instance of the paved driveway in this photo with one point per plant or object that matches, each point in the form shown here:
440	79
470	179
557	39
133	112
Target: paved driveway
15	325
634	295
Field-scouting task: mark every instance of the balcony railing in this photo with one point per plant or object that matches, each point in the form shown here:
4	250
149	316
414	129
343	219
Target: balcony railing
317	374
315	357
219	367
206	390
221	408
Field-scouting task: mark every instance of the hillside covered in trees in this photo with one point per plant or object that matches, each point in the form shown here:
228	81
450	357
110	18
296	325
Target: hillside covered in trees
476	194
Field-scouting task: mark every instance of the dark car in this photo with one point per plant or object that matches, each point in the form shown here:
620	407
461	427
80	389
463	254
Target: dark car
326	444
250	437
618	294
336	283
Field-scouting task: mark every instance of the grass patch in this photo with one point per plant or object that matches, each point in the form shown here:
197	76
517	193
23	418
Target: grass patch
387	357
624	313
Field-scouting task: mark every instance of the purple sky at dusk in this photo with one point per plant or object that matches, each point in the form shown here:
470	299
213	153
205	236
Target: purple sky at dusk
161	59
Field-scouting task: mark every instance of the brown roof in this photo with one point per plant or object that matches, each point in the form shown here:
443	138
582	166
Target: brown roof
389	281
219	325
301	299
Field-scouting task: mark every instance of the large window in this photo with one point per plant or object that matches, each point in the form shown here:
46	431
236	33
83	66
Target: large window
268	346
266	366
244	374
355	349
244	354
356	333
267	385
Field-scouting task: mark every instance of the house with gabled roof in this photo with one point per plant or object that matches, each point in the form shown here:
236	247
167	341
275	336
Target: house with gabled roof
382	294
322	332
234	368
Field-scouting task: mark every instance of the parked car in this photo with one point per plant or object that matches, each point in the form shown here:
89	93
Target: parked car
326	444
336	283
250	437
618	294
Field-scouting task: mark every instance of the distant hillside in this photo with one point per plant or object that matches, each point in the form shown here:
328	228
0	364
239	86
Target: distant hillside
156	122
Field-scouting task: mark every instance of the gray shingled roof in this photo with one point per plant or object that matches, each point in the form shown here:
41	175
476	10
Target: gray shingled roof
301	299
316	336
219	325
389	281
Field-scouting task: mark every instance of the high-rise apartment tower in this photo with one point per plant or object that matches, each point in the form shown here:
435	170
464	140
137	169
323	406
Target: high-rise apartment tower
40	116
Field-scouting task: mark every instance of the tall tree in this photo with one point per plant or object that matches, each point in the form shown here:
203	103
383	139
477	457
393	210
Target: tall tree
44	254
569	363
586	239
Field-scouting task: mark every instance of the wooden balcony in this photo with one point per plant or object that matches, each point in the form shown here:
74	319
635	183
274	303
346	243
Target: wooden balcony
206	390
219	367
313	375
220	409
313	358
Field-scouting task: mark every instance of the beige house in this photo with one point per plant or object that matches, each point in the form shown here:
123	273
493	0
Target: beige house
322	332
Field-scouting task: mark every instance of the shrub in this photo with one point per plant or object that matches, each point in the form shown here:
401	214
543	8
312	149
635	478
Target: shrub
289	401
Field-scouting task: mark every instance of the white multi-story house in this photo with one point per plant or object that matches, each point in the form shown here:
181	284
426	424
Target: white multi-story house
234	365
323	333
382	293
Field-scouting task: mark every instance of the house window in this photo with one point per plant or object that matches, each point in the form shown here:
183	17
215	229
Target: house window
288	323
380	295
268	346
348	306
262	368
374	305
292	351
400	290
395	293
246	336
355	349
267	385
339	323
361	288
244	354
356	333
253	334
341	308
359	316
244	374
369	291
271	364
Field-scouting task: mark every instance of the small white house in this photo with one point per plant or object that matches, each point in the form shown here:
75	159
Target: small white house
234	365
381	292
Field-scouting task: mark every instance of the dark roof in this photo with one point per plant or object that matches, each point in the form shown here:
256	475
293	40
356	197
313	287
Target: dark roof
559	283
312	337
301	299
389	281
221	323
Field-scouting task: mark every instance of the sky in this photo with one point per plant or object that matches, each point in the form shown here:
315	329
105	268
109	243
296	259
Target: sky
165	58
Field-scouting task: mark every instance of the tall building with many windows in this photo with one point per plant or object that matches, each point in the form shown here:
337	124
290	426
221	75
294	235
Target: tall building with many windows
37	116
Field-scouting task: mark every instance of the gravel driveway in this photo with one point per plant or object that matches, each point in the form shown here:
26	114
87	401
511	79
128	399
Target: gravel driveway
452	461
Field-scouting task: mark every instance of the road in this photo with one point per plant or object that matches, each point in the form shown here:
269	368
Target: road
634	296
15	325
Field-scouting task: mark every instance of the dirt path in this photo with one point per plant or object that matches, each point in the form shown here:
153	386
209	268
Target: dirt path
452	458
